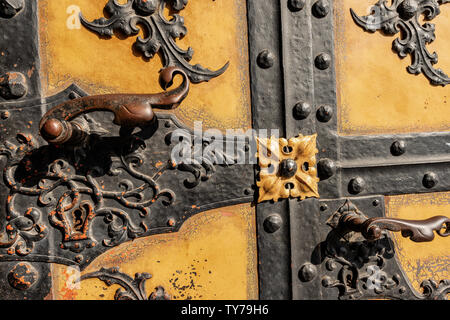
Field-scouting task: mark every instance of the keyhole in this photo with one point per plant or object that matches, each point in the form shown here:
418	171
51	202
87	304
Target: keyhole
78	219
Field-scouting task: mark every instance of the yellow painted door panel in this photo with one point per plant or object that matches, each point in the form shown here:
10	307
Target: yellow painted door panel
101	65
212	257
376	95
427	260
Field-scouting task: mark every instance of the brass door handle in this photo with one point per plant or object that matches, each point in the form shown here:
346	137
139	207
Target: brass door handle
416	230
130	110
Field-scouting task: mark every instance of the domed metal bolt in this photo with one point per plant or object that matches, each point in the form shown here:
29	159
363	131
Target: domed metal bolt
307	272
296	5
265	59
430	180
22	276
322	61
398	148
376	203
171	222
13	85
321	8
288	168
4	115
324	113
324	207
273	223
301	110
356	185
408	9
326	168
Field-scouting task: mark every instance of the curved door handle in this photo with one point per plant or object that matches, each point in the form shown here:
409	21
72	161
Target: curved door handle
416	230
130	110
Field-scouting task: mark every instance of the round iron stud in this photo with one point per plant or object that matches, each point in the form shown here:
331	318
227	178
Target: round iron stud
22	276
273	223
296	5
356	185
321	9
398	148
265	59
13	85
307	272
326	168
324	113
288	168
430	180
322	61
301	110
408	9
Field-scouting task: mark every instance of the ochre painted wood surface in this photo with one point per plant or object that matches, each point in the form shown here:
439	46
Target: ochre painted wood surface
376	94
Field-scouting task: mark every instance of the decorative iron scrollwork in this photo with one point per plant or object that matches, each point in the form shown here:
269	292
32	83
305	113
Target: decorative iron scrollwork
403	16
111	188
366	269
161	33
132	289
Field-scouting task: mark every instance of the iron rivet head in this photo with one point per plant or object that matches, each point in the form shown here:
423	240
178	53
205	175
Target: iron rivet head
326	168
307	272
247	191
324	207
356	185
402	290
296	5
408	9
22	276
301	110
288	168
376	203
265	59
167	124
13	85
430	180
4	115
323	61
321	8
10	8
331	265
273	223
398	148
324	113
326	281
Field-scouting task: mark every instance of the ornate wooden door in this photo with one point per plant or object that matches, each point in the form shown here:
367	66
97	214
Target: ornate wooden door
172	149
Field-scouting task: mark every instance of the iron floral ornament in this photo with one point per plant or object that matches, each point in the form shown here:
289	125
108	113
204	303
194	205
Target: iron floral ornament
287	168
161	33
403	16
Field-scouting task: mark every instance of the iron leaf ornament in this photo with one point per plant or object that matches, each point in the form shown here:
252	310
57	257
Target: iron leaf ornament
128	18
403	16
